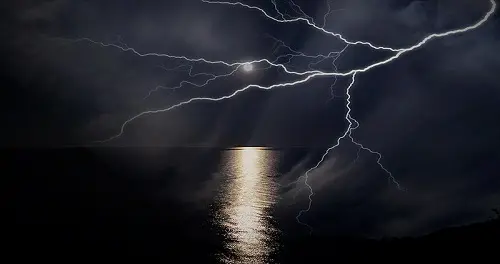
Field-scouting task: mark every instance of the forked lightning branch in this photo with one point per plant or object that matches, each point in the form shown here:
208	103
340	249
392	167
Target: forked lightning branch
283	62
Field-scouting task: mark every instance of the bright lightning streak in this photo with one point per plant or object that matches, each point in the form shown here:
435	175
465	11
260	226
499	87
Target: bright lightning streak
350	119
212	99
325	17
299	10
334	55
277	9
190	70
296	53
301	19
346	133
391	177
332	92
228	64
182	83
305	76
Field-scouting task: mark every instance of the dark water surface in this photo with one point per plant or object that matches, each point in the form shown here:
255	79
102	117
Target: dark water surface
194	205
218	203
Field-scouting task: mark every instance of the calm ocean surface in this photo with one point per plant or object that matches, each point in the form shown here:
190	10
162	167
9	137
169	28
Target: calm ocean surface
185	205
218	204
245	202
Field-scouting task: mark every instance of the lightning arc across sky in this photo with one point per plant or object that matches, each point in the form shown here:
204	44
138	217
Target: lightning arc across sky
282	63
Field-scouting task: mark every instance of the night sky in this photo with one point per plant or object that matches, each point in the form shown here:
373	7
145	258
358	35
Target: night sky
433	113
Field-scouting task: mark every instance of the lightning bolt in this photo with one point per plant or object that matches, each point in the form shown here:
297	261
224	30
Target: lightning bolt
346	134
303	76
213	77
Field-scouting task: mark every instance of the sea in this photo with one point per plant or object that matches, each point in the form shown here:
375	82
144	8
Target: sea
179	205
205	205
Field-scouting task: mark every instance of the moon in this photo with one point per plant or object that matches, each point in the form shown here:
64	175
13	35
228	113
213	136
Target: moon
248	67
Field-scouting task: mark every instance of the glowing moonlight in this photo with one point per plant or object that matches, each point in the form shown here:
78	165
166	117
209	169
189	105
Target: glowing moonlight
248	67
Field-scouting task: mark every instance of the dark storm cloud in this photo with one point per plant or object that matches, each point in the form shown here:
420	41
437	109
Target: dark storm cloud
93	89
432	113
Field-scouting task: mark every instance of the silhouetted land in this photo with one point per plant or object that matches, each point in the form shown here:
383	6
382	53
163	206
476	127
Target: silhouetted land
62	205
477	240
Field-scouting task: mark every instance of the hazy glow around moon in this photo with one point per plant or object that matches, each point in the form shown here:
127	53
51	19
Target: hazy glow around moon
248	67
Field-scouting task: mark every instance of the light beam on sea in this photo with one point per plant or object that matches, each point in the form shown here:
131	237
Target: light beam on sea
246	199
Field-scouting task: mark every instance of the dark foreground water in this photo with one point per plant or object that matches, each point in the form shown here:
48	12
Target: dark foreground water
213	205
184	205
